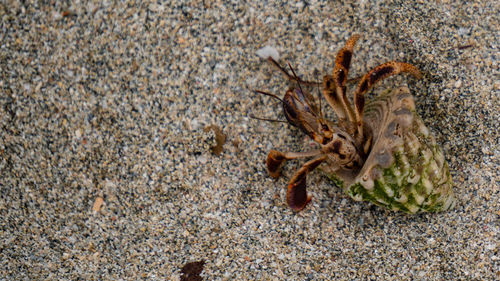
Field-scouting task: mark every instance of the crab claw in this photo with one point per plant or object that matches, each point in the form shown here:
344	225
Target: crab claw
296	195
274	161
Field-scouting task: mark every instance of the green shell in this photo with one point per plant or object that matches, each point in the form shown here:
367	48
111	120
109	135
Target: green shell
405	169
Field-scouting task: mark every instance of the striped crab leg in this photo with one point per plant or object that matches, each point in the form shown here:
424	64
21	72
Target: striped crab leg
334	88
369	80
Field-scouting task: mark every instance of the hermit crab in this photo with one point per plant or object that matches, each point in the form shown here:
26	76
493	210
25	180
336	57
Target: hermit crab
379	152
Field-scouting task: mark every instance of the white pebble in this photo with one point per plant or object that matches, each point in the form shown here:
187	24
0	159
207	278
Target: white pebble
268	51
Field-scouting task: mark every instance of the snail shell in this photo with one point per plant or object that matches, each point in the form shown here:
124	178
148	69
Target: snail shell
405	169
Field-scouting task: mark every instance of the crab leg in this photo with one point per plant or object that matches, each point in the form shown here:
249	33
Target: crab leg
296	195
371	78
276	158
334	86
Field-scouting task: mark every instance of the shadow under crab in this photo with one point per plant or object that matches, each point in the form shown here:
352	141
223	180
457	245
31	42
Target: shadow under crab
381	152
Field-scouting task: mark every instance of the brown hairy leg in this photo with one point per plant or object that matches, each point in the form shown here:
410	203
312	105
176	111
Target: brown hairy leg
334	86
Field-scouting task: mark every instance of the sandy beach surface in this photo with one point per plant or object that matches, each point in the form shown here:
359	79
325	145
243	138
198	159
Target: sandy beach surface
127	151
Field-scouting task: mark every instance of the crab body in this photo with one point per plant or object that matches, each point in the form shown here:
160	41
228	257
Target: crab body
380	152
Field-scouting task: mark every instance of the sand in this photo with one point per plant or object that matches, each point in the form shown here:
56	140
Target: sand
108	172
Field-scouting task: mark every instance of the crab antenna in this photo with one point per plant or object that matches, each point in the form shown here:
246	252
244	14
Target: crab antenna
268	94
266	119
296	77
290	77
319	98
275	63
